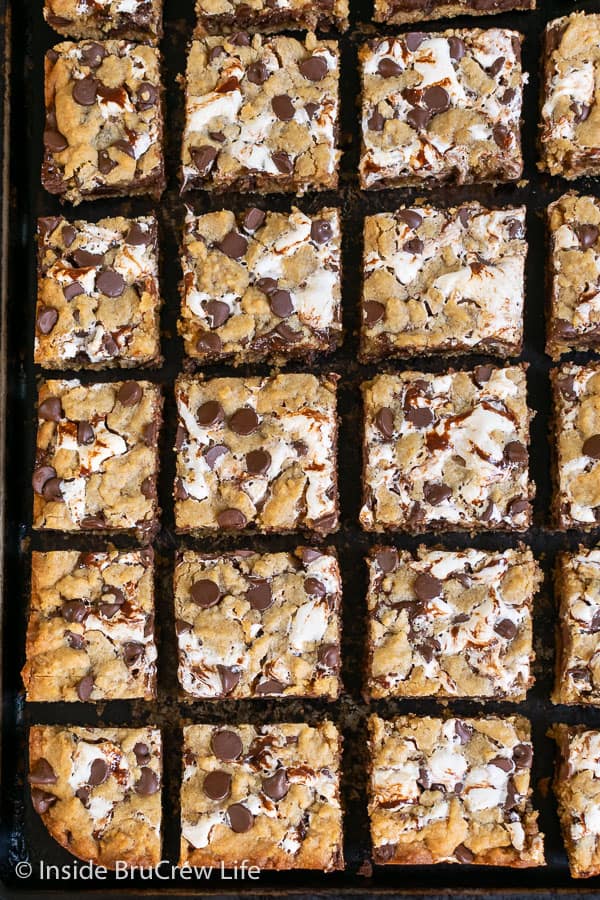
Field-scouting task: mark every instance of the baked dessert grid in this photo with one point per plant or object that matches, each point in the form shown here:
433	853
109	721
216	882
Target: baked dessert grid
351	543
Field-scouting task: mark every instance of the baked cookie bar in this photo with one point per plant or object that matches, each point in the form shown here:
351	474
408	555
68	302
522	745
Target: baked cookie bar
137	20
261	285
576	499
451	623
98	301
577	789
570	122
225	16
258	453
448	281
104	122
573	275
267	794
257	625
441	107
447	452
97	791
261	114
452	791
577	585
90	634
97	457
398	12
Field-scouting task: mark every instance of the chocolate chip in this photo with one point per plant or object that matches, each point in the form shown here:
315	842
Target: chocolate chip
516	452
217	785
132	653
566	386
283	107
420	416
47	318
287	334
283	162
85	433
436	493
50	409
226	745
266	285
501	135
427	587
523	756
42	801
253	219
587	235
277	785
310	109
47	224
388	68
85	259
270	686
329	656
314	587
240	818
281	303
216	52
142	753
496	66
217	313
42	773
98	772
110	283
73	611
182	627
138	236
456	48
384	422
503	763
54	140
241	39
410	217
482	374
321	231
259	595
376	121
257	73
506	629
373	312
147	96
85	688
233	245
244	421
231	518
148	783
258	462
414	39
110	345
414	246
210	413
463	854
125	147
594	626
51	490
205	593
517	506
92	54
591	446
214	454
41	476
436	99
85	91
462	731
105	163
203	158
130	393
108	610
229	678
428	648
209	343
70	291
387	559
314	68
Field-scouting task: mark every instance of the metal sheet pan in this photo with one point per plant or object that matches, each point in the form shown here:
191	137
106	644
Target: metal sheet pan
23	838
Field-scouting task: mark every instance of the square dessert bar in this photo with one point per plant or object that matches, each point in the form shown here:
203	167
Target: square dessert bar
398	12
256	625
447	452
573	275
257	452
261	114
261	285
577	585
451	623
98	301
104	123
576	499
97	791
569	129
452	791
577	788
267	794
441	108
225	16
97	457
445	281
91	626
137	20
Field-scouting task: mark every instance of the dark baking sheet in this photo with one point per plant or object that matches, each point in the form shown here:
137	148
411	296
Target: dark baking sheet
23	837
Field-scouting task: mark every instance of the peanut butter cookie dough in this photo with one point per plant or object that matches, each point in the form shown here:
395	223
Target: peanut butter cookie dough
261	285
98	300
447	452
91	626
445	281
576	500
398	12
258	625
104	121
570	124
97	457
574	275
258	453
577	585
261	114
442	107
451	623
268	794
577	788
453	791
97	791
137	20
225	16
